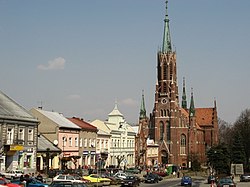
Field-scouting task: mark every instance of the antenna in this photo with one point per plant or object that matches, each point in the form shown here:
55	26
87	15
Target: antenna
40	105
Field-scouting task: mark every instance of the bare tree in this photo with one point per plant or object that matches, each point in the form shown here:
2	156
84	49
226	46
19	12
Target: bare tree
225	131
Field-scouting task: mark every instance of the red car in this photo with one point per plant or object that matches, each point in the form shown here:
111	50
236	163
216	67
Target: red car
7	183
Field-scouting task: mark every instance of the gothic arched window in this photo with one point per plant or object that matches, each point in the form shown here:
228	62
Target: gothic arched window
183	144
161	130
168	131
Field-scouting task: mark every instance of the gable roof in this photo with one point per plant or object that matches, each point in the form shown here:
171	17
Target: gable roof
57	118
11	110
83	124
44	143
204	116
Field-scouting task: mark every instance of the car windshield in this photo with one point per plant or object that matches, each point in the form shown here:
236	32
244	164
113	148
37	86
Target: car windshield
226	180
69	177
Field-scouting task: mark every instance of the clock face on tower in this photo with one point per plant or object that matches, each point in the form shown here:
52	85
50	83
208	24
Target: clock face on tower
164	101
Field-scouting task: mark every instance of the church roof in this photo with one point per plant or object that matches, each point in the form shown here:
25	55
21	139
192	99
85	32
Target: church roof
9	109
204	116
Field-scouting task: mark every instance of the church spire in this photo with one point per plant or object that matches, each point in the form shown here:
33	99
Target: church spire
166	47
142	109
192	109
184	97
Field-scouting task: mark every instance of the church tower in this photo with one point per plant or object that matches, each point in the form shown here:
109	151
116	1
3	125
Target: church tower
165	116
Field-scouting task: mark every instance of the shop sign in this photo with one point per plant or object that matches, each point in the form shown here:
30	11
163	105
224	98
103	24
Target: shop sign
16	147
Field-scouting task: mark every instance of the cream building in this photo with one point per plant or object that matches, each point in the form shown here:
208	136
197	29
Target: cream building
121	145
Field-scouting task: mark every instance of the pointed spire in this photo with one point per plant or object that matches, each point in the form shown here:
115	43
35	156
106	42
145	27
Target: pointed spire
184	97
142	109
192	109
166	47
215	105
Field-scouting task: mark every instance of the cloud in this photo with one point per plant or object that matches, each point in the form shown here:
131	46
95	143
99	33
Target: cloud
57	63
74	97
129	102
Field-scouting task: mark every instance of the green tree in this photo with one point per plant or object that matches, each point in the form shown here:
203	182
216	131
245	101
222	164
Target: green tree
196	165
242	125
237	149
219	159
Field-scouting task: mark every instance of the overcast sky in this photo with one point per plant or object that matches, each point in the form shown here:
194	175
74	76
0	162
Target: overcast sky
79	57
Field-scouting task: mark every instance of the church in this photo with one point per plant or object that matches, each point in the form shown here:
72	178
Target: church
182	133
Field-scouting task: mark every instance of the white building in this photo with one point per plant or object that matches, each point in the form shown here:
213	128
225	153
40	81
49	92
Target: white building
122	140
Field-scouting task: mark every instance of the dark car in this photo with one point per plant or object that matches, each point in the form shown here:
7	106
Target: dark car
186	181
225	182
210	179
245	177
114	180
152	178
133	170
66	184
132	181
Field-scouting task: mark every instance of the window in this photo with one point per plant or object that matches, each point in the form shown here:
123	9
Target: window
90	142
183	144
85	142
30	135
81	142
21	134
10	135
168	131
161	130
64	140
76	142
106	144
70	141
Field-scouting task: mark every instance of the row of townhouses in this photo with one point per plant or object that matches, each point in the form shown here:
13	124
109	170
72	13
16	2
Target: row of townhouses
39	140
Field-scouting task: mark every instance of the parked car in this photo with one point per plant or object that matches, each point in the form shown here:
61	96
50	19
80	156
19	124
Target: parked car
133	170
97	180
131	181
29	181
36	183
152	178
7	183
114	180
66	184
245	177
161	173
65	177
210	179
186	181
12	174
121	175
227	181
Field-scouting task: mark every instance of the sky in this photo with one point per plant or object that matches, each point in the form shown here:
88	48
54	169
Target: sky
80	57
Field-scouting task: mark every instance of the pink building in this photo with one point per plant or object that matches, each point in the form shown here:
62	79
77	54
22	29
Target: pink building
62	133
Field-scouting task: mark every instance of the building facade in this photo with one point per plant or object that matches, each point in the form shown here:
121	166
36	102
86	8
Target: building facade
87	142
18	142
182	133
63	133
122	140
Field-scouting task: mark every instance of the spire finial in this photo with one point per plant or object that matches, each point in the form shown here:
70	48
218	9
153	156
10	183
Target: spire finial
184	97
142	109
192	109
166	36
